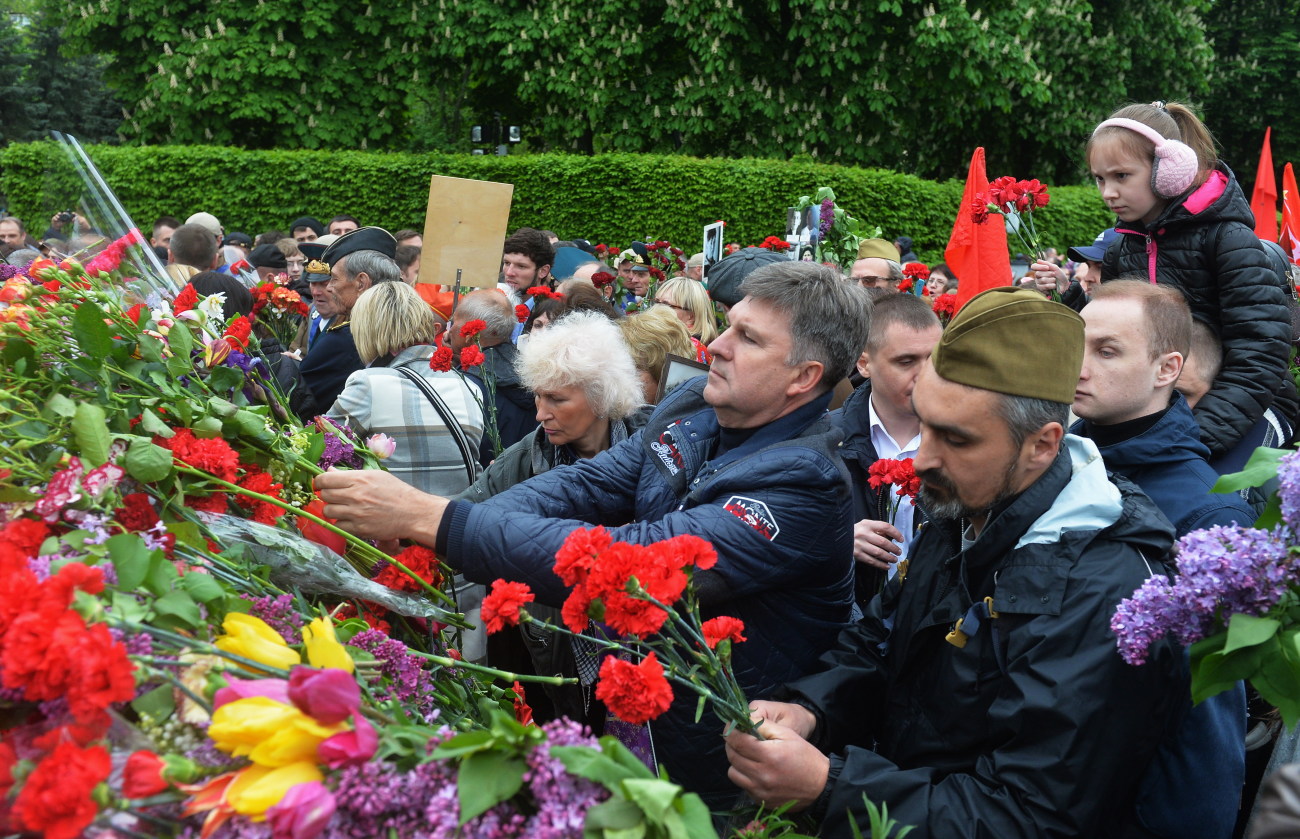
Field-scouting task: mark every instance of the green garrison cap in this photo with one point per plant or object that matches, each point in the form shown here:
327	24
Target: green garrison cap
878	248
1013	341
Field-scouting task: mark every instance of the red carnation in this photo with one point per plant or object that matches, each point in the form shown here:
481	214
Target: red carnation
979	208
501	605
472	328
522	313
186	300
136	513
260	482
441	360
1037	193
916	270
600	279
723	628
635	693
237	333
421	561
575	608
103	675
143	775
579	552
471	356
56	799
691	550
214	503
214	456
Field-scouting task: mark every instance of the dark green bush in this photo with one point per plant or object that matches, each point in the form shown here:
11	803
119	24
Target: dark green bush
610	198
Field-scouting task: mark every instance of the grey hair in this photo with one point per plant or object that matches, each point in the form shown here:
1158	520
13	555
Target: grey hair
895	271
830	317
1024	415
494	310
375	265
586	350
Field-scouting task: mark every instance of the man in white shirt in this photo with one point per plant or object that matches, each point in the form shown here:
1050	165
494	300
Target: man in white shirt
879	424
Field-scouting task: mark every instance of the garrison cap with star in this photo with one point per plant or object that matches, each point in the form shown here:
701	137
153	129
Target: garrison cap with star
362	239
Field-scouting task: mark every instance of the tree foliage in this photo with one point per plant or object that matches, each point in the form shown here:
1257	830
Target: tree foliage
1257	47
912	86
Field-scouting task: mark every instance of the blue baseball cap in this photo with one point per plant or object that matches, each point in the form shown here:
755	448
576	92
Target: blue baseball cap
1097	250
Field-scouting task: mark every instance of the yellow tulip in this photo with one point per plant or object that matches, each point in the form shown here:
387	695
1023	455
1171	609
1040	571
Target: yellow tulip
323	647
258	788
239	727
251	638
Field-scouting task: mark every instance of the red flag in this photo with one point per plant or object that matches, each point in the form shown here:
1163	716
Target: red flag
977	253
1290	215
1263	201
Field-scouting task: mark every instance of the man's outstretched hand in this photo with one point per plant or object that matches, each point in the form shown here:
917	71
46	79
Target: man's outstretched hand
376	505
783	768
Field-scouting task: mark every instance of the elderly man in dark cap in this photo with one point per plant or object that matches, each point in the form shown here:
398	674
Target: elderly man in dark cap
982	695
356	261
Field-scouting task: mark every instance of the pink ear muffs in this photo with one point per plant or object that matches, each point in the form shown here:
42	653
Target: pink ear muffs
1175	166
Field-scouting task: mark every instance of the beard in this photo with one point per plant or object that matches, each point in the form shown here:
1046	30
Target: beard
939	497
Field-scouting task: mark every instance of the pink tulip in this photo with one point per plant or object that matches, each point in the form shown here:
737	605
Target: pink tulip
328	696
303	813
382	446
349	747
277	689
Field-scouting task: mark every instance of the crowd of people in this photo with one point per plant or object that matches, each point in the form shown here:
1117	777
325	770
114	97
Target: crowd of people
950	655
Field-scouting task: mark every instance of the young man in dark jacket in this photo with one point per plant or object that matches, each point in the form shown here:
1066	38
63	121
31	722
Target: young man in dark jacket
1136	337
878	422
1022	720
744	458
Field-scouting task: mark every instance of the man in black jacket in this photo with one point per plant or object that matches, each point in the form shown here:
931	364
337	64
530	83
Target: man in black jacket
982	695
878	422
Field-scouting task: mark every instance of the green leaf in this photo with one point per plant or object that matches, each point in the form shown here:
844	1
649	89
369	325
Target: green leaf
202	587
158	704
654	796
1278	681
90	428
151	349
222	407
486	779
696	817
147	462
1219	671
182	343
130	559
594	766
224	379
127	607
61	406
1248	631
207	428
179	605
315	446
251	425
1261	467
1272	513
151	423
614	814
94	338
161	574
699	707
465	744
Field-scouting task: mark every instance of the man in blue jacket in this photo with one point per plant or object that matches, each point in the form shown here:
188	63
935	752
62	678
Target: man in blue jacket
745	458
1136	336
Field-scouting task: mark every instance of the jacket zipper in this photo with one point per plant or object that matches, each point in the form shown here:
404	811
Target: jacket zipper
1151	259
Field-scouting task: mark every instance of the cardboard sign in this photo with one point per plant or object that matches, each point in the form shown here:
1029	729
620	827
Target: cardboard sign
465	228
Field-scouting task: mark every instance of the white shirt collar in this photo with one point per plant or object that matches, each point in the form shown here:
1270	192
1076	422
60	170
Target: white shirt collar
887	448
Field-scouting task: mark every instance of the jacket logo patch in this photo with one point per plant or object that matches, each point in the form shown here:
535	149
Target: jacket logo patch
667	451
753	513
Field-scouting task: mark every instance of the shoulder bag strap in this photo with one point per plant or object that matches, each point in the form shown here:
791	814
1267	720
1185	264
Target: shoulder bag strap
448	419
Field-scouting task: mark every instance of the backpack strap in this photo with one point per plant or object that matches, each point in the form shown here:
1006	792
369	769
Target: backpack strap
448	419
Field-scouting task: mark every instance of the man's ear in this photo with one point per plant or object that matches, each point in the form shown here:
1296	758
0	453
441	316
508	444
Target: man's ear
808	377
543	273
1040	448
363	281
864	365
1171	365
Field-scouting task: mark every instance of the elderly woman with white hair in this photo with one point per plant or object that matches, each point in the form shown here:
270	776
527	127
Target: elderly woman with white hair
587	393
434	417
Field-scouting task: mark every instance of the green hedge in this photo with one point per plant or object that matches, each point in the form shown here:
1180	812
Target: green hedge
610	198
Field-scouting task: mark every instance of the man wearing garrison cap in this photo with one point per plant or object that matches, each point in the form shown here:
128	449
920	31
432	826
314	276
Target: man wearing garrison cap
982	694
356	261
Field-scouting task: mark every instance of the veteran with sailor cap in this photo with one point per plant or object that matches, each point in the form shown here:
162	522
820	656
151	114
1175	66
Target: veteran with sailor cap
354	262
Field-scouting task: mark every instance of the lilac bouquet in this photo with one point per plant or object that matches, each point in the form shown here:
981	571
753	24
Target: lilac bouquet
1233	600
